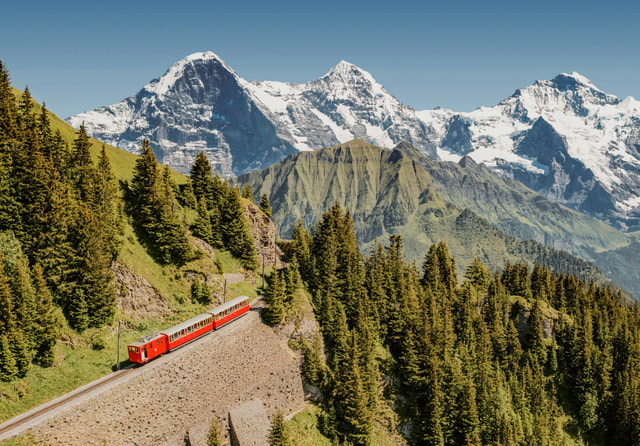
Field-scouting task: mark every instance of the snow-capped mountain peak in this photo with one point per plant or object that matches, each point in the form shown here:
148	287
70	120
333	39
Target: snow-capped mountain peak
160	86
564	138
347	80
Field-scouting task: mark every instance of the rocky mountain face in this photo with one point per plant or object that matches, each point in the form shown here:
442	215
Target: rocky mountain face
520	212
201	104
563	138
390	192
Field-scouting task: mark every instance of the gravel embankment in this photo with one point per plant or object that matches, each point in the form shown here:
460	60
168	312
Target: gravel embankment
181	391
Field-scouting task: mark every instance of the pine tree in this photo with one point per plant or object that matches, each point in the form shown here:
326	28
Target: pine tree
535	337
302	241
96	302
246	193
479	276
292	278
214	436
8	125
7	317
235	230
152	202
107	204
275	297
202	180
202	226
439	270
351	400
313	366
265	206
216	231
278	434
85	175
8	367
144	194
48	322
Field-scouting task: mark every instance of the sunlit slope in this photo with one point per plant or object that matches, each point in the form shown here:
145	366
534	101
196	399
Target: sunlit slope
388	193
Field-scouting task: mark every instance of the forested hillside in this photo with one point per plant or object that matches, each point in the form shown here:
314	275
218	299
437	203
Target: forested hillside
69	219
523	356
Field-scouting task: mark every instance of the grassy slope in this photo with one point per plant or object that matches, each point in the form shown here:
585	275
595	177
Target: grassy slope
77	363
387	193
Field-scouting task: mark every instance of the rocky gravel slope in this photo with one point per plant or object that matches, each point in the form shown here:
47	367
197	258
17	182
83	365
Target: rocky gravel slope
180	392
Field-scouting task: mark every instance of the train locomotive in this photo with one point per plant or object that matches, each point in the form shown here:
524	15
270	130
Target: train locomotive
154	345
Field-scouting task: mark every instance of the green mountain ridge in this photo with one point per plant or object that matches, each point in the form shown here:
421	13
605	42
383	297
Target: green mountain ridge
387	193
525	214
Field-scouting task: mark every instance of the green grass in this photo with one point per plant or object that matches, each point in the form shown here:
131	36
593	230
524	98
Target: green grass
168	279
304	428
229	263
76	364
84	357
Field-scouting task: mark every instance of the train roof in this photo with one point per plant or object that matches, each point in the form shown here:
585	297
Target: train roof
146	339
185	324
227	305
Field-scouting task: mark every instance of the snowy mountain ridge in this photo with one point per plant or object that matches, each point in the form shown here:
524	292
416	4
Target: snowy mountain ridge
564	138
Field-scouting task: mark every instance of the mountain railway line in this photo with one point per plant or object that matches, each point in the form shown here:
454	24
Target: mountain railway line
56	403
59	409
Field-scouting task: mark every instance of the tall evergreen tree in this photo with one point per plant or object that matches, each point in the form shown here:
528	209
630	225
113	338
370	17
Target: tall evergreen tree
235	230
202	226
8	367
247	193
265	206
278	435
202	180
275	297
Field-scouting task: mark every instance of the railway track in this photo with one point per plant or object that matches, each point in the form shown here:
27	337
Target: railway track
48	407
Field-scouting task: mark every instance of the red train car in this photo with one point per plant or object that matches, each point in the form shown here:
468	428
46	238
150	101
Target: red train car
147	348
229	311
152	346
188	330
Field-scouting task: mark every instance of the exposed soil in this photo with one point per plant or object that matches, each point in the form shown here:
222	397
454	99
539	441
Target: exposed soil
136	295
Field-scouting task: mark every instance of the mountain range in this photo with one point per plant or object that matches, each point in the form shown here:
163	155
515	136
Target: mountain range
563	138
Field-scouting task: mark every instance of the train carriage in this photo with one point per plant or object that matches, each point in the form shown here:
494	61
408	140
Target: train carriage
147	348
228	311
154	345
188	330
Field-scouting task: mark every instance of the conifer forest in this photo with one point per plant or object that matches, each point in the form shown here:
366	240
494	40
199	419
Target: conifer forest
526	355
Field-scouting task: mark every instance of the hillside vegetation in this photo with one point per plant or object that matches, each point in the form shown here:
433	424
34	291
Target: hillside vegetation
73	212
519	357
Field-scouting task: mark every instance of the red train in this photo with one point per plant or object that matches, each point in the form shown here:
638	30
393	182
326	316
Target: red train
152	346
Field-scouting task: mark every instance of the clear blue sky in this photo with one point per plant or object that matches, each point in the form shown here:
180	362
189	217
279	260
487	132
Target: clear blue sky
76	55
